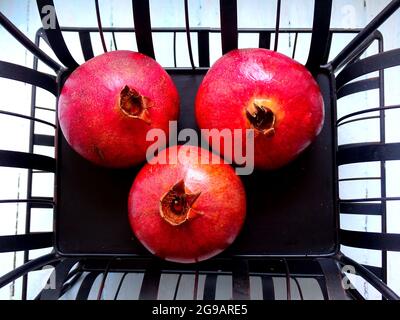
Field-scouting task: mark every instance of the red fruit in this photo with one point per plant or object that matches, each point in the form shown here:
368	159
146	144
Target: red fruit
266	91
109	103
187	211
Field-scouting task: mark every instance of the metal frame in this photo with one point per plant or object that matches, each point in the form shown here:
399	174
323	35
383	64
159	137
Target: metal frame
347	61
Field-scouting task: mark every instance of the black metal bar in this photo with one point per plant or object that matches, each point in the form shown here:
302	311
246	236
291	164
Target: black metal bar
277	23
178	283
358	86
196	284
322	286
151	282
362	35
240	280
178	70
298	288
364	152
103	280
210	286
27	43
354	294
46	109
210	30
367	111
86	285
333	279
28	211
370	277
356	54
22	242
27	267
141	17
369	199
356	120
373	63
188	39
99	24
22	116
229	27
320	35
288	284
86	45
295	45
370	240
359	178
54	35
361	208
45	203
264	40
27	75
268	288
203	44
382	132
114	40
71	283
378	271
120	285
43	140
16	159
174	49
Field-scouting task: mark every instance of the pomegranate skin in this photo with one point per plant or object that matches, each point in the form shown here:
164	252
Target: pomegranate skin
217	214
101	126
244	78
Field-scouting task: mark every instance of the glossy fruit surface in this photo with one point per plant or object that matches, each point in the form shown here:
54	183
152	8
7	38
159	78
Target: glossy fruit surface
266	91
108	104
187	211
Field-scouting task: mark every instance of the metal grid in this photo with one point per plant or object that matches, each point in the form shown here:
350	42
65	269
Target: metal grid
347	61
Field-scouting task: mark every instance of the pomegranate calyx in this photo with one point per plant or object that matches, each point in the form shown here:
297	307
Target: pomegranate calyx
176	204
134	105
261	117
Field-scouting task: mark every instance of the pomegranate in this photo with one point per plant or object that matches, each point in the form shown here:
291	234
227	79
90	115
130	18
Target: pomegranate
266	91
186	211
109	103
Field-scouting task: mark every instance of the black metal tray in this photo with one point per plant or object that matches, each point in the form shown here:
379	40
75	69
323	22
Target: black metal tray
290	212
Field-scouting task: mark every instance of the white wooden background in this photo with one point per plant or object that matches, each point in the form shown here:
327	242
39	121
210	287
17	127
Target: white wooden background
15	97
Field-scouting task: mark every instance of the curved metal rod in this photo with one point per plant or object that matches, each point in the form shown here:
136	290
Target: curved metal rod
177	286
120	285
103	280
295	44
377	283
299	288
196	284
358	119
397	106
71	283
28	267
288	284
187	27
103	41
114	40
28	44
13	114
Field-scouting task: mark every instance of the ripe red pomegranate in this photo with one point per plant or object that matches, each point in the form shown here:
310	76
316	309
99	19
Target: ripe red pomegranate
266	91
188	211
109	103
